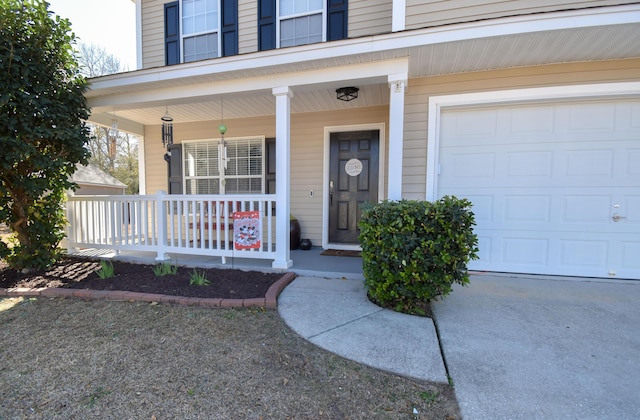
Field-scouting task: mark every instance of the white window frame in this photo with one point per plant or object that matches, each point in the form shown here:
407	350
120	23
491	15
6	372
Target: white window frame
216	31
279	20
215	141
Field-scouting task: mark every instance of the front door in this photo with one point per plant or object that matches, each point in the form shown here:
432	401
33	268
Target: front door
353	181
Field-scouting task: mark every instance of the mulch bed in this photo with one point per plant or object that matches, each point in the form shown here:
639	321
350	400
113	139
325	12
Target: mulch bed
79	273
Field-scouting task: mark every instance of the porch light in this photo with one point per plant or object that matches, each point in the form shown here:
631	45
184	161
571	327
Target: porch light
347	93
167	129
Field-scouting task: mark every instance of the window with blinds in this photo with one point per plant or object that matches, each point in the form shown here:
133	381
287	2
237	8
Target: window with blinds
205	171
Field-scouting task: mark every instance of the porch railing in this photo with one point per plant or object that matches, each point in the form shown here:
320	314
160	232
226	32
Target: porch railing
163	223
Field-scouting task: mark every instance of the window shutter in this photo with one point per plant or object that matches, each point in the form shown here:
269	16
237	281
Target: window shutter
171	34
266	24
270	160
229	27
175	169
337	19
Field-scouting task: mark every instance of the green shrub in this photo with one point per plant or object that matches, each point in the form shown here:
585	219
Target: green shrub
413	251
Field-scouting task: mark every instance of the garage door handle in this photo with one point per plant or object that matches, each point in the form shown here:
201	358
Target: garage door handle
616	217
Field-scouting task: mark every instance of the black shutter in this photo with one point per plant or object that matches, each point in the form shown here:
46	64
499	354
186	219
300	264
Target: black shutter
171	34
337	19
270	175
270	160
266	24
229	27
175	168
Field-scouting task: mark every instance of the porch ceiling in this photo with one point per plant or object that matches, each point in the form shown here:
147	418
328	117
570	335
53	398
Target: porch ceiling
430	52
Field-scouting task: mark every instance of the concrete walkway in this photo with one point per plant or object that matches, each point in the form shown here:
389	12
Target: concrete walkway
515	347
336	315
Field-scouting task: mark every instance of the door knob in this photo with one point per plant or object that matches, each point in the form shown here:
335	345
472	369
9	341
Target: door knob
616	217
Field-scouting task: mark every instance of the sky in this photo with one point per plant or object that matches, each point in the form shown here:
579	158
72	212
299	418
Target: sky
106	23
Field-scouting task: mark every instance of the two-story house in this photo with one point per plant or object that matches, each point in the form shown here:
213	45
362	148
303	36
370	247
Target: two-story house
529	108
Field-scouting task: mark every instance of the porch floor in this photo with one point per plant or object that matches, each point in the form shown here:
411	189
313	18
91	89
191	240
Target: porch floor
305	263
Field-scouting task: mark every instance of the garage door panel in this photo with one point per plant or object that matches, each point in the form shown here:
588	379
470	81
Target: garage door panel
525	252
546	185
630	251
630	209
469	129
587	208
473	165
578	254
596	163
586	117
527	208
529	164
535	120
633	162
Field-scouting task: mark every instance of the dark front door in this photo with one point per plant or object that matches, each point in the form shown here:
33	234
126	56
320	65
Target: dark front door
353	180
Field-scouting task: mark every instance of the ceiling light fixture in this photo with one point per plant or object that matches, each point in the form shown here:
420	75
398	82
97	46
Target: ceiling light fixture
347	93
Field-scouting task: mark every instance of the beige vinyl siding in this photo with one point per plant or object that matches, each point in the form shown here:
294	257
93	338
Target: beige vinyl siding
421	13
369	17
153	33
307	154
417	101
247	26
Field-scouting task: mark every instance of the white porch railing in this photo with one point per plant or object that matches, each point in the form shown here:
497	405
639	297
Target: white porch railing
163	223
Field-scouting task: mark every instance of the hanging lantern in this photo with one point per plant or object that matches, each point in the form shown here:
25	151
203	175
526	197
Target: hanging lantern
167	129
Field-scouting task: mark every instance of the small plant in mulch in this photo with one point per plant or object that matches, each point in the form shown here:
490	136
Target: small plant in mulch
106	270
198	279
165	268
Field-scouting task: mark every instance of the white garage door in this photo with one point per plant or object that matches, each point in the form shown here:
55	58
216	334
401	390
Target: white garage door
555	186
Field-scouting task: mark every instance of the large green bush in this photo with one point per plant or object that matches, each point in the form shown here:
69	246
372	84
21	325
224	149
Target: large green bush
42	133
413	251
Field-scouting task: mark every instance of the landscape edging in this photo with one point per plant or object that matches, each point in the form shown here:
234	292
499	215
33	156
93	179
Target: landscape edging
269	301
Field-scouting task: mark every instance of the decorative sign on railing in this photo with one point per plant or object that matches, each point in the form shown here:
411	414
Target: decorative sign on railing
246	230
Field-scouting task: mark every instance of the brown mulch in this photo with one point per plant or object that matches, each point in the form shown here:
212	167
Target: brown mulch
79	273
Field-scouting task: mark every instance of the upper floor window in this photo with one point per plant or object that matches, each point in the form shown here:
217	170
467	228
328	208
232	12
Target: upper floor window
200	29
200	23
300	22
285	23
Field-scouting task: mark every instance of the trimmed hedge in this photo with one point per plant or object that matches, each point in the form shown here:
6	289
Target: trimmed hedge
413	251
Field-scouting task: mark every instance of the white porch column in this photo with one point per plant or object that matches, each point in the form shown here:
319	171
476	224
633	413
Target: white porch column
398	16
283	177
397	83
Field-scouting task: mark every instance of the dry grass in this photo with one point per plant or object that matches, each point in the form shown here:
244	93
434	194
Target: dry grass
101	359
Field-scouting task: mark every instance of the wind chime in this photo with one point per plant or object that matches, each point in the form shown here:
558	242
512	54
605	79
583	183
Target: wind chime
167	129
222	145
112	137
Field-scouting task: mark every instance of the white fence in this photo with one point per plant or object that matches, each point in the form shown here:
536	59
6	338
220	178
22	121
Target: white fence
162	223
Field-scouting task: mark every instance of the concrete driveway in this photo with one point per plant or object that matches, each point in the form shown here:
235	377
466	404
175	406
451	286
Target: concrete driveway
542	348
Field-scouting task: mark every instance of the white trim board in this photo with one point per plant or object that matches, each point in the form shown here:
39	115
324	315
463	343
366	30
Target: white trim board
556	93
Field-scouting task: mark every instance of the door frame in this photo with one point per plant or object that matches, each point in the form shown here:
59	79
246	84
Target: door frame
382	147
